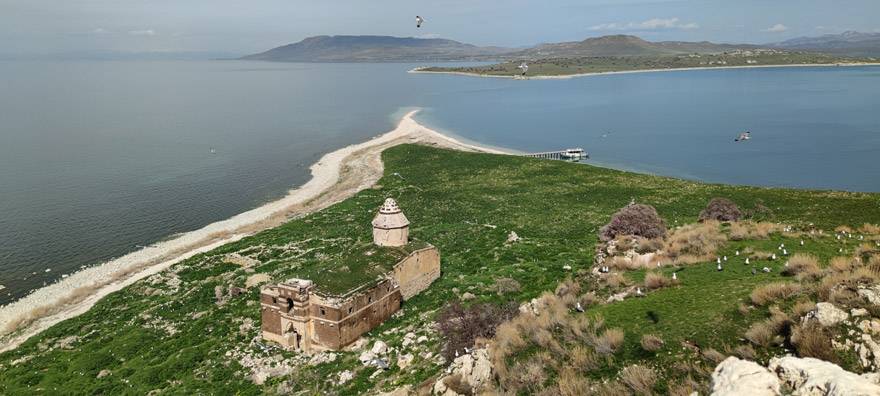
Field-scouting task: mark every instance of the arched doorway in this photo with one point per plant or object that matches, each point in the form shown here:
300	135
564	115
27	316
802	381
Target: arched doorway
293	337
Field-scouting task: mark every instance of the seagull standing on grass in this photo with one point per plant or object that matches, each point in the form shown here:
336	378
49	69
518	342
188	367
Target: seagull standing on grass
747	260
579	308
419	21
674	277
773	257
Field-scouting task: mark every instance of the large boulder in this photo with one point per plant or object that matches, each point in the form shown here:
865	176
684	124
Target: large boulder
735	377
829	315
814	377
474	369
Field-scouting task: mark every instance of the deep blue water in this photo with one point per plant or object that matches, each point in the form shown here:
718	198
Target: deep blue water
97	158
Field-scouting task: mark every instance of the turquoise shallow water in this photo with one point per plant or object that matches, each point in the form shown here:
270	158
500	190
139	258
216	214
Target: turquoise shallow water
97	158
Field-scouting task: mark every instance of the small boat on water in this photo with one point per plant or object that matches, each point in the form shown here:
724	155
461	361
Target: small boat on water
743	137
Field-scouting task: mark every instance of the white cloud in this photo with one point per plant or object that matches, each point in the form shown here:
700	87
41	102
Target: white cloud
146	32
650	24
777	28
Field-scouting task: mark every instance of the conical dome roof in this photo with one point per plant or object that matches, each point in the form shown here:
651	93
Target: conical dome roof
390	216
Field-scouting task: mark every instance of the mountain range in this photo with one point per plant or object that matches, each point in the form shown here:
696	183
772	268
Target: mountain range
847	43
411	49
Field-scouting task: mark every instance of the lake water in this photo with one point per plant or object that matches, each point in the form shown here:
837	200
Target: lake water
98	158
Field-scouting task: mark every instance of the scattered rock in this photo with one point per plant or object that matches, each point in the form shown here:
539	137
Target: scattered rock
357	345
855	312
566	267
321	358
366	357
512	237
345	376
422	339
403	361
871	294
468	296
869	352
870	326
409	339
402	391
809	376
243	261
103	373
742	377
829	315
379	348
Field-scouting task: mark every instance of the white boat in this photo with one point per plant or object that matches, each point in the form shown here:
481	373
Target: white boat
574	153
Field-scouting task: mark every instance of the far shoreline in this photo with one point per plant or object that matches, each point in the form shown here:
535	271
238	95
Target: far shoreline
419	70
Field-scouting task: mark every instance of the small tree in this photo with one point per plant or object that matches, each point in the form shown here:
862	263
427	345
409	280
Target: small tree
721	209
461	326
634	219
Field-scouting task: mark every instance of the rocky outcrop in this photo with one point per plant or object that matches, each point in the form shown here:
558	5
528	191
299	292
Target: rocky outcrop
814	377
829	315
474	369
735	377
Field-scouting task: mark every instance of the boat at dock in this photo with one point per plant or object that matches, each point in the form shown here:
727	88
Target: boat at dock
570	154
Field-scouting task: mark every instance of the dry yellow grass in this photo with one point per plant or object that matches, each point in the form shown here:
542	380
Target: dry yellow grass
743	230
811	340
656	280
651	343
870	229
840	264
770	292
639	379
609	342
694	243
804	266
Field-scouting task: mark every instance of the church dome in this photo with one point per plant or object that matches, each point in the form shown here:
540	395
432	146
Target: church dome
390	216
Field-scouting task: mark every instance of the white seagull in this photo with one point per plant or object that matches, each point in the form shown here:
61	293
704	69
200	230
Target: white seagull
419	21
674	277
747	260
524	67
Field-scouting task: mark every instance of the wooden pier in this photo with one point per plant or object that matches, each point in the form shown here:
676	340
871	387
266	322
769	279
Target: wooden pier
572	154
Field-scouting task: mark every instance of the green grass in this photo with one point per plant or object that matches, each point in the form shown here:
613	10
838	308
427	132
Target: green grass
604	64
463	203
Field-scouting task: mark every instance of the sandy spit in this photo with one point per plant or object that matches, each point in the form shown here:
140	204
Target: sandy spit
567	76
335	177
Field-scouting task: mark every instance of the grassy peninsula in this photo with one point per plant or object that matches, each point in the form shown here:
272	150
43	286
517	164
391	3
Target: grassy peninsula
572	66
169	333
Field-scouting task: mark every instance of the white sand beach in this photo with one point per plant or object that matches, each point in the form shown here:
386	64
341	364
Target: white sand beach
567	76
335	177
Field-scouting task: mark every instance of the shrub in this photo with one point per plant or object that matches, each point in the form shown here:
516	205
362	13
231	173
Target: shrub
811	340
759	212
634	219
743	230
803	265
721	209
652	343
745	352
572	383
656	280
870	229
461	326
506	285
615	281
609	341
840	264
713	355
801	308
458	385
774	291
639	379
766	332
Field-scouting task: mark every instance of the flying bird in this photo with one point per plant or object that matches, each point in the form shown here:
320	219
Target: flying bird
743	137
524	67
419	21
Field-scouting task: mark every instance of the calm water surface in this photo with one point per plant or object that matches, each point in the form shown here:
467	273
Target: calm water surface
97	158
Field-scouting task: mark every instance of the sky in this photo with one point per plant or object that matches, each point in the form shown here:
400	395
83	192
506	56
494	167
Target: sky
243	27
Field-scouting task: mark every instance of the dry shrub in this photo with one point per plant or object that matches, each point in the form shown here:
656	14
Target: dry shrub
743	309
811	340
646	245
639	379
759	212
652	343
615	280
744	352
656	280
610	388
582	358
840	264
686	387
461	326
770	292
843	229
506	285
805	266
588	299
743	230
568	288
721	209
767	332
609	342
572	383
634	219
870	229
866	251
801	308
621	263
694	243
713	355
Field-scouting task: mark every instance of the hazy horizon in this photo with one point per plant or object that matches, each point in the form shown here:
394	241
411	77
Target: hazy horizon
224	27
